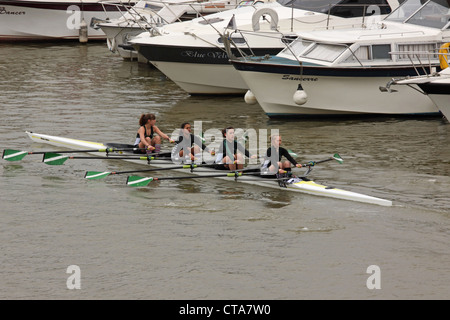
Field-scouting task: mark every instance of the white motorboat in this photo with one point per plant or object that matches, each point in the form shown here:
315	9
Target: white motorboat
146	15
193	55
338	72
438	89
302	185
47	20
436	85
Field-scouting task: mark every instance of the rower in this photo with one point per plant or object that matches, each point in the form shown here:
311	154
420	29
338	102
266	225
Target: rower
272	163
188	146
145	138
228	155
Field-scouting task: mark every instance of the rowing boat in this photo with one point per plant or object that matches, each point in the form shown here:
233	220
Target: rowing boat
302	184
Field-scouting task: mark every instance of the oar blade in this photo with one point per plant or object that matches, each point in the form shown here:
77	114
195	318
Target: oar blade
94	175
338	158
13	155
54	159
137	181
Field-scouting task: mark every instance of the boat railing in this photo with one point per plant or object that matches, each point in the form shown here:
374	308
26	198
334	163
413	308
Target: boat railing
176	9
135	13
418	64
415	57
390	34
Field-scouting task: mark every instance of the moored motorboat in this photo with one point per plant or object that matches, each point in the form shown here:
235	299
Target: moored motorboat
302	185
147	14
48	20
193	53
338	72
438	89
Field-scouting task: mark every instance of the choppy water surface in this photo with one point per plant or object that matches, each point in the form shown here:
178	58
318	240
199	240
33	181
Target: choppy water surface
205	238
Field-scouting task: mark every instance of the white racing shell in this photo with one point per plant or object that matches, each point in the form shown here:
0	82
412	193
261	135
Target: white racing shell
295	184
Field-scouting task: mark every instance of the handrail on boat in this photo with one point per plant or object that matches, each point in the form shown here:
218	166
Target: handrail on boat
390	34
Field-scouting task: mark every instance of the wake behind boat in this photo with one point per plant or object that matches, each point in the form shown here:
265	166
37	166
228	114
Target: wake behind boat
302	185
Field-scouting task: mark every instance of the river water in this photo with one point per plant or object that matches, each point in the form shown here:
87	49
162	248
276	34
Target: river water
207	238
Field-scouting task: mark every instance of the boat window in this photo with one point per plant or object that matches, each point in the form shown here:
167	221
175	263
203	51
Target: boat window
361	54
297	47
287	39
405	10
381	52
413	50
324	52
316	5
340	8
435	13
235	39
371	52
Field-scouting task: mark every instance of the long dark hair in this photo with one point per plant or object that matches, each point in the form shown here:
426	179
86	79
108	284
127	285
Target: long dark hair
145	117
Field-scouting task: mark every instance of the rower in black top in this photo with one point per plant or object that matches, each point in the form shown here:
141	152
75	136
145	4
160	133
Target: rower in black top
188	146
145	139
272	163
228	154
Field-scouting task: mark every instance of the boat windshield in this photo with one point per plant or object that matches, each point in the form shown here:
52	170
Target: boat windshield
313	50
432	13
340	8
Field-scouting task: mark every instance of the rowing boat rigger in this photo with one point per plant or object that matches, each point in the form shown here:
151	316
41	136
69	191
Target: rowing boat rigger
111	150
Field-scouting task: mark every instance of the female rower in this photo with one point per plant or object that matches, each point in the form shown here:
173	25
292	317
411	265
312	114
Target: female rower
145	139
272	163
228	154
188	146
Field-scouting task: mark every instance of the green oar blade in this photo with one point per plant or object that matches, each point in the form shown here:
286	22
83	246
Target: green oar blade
136	181
54	158
13	155
93	175
338	158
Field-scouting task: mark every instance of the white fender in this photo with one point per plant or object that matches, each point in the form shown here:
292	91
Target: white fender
250	98
300	97
257	15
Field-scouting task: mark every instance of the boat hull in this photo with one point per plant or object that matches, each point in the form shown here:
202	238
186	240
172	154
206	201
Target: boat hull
51	20
308	187
204	79
439	93
331	91
117	39
200	70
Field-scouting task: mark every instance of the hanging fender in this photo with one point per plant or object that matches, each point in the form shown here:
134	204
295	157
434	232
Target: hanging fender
257	15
